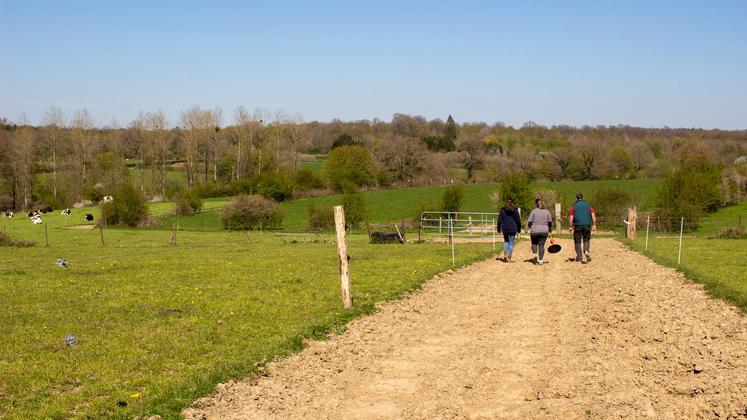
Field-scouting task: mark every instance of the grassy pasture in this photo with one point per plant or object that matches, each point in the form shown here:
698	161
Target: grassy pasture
159	325
386	205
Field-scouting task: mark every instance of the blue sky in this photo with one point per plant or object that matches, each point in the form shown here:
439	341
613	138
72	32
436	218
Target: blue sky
645	63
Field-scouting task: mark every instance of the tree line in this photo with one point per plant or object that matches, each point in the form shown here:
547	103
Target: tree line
70	158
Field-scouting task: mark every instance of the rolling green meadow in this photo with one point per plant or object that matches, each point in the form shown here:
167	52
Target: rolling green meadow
387	205
158	325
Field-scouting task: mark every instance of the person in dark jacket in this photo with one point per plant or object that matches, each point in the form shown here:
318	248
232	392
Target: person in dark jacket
509	222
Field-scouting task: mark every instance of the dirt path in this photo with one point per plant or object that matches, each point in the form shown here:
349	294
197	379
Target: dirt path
621	336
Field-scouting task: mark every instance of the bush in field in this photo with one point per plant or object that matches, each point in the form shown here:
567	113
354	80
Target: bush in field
277	186
354	204
187	202
518	187
731	233
6	240
452	198
689	193
349	166
250	212
307	180
127	209
321	217
611	204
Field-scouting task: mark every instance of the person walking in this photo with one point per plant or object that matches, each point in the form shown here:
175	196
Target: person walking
582	222
509	222
539	225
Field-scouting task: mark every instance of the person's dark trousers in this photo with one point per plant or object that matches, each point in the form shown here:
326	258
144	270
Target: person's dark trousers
581	233
538	244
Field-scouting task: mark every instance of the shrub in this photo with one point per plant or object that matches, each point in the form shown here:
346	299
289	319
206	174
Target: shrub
731	233
250	212
308	180
321	217
277	186
355	208
517	187
611	204
188	202
349	165
689	193
6	240
452	198
127	209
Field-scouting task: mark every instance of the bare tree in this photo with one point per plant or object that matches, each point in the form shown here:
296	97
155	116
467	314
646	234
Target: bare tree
54	122
156	125
82	125
22	155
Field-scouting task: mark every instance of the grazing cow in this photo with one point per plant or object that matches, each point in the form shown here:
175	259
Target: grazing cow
31	214
108	199
65	212
8	214
89	217
37	220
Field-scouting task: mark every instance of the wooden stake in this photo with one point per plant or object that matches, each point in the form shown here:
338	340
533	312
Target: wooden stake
679	253
342	253
558	212
173	235
46	235
101	232
399	234
648	220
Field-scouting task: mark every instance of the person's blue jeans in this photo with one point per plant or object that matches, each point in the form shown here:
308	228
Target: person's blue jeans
508	243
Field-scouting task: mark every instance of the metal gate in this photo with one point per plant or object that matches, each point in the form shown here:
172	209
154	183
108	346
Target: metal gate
458	224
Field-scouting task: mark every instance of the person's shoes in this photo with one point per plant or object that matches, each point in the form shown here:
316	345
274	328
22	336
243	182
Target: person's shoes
588	256
535	258
540	262
583	262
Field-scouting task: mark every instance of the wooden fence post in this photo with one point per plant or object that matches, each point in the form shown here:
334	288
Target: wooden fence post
558	213
101	232
173	235
342	253
46	235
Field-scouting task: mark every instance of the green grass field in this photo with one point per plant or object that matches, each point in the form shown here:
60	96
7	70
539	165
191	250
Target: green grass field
387	205
159	325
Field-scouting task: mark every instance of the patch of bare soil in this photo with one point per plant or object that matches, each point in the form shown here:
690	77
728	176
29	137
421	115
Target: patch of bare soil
619	337
82	227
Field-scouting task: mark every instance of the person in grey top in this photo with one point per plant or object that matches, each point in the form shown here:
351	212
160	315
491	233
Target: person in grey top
539	225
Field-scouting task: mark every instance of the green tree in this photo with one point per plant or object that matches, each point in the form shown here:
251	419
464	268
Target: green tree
622	160
689	193
452	198
344	139
452	130
355	208
349	166
517	187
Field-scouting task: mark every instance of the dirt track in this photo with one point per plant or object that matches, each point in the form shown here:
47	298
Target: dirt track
621	336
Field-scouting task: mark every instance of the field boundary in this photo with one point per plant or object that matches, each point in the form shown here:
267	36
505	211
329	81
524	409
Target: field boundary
713	287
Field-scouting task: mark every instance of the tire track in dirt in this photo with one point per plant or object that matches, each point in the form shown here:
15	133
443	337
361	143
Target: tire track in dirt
621	336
